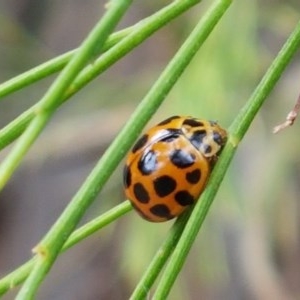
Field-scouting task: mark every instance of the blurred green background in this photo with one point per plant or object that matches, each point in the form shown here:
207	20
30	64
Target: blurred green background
249	246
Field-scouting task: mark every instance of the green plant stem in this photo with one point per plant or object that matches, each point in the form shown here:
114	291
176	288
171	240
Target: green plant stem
19	275
97	223
141	31
52	66
89	47
237	131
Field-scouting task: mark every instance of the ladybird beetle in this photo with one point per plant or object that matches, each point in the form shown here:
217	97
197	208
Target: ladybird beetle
169	165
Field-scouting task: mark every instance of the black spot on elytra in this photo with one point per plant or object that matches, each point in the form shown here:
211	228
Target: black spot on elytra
192	123
127	176
141	193
197	138
164	185
194	176
182	159
218	138
148	163
140	143
166	121
161	210
184	198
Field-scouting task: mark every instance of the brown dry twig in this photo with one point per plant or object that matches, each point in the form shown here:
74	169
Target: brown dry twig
290	119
